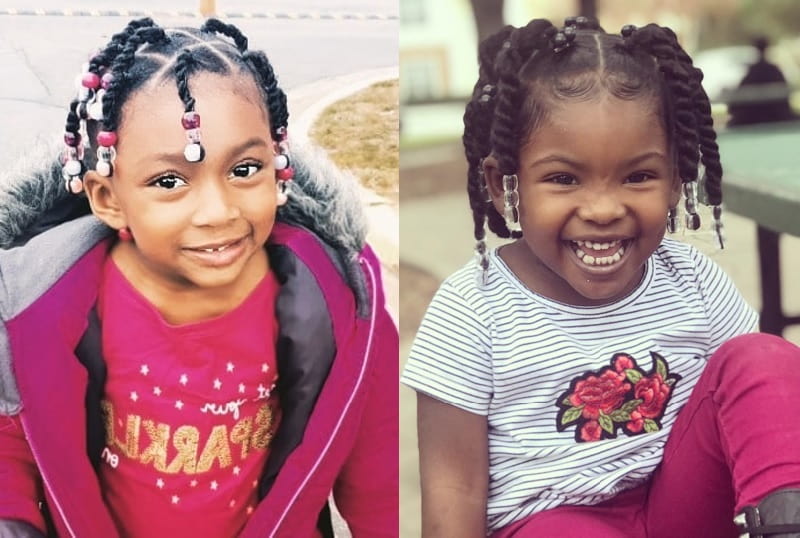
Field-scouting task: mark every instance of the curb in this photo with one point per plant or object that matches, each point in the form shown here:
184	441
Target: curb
133	13
382	216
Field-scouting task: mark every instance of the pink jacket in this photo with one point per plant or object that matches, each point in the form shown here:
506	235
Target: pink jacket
344	438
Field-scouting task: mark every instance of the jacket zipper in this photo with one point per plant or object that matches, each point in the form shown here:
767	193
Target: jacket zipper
373	316
34	451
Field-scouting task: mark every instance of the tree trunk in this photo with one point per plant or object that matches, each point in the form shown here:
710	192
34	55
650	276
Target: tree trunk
488	16
587	8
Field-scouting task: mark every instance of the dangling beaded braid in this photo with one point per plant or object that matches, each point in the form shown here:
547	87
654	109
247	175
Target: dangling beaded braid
131	58
521	68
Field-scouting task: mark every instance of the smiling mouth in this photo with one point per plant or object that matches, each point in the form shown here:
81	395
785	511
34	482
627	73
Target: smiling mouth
595	253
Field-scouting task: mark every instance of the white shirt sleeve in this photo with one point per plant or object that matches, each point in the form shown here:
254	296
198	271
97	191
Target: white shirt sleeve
450	359
728	313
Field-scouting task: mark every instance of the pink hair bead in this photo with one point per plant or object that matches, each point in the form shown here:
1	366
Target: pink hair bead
72	139
107	138
191	120
285	173
75	185
90	80
106	80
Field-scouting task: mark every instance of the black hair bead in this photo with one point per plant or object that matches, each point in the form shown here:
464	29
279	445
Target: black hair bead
628	30
570	21
570	32
582	21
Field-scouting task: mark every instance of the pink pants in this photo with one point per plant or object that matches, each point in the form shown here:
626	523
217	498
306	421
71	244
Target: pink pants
736	440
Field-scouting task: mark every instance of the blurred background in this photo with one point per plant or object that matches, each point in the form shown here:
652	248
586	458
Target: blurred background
438	68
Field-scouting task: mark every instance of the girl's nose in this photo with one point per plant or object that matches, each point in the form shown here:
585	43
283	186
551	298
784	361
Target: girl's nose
215	205
602	207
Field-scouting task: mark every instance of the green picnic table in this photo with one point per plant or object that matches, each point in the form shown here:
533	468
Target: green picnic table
761	181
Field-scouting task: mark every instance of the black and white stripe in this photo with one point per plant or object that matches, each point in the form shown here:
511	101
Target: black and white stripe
507	353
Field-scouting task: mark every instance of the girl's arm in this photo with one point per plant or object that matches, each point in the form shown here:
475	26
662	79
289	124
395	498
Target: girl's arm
454	469
21	487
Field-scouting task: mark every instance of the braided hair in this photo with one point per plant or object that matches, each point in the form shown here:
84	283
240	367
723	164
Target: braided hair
524	71
143	51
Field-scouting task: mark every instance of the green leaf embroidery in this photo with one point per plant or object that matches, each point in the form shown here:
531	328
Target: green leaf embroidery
650	426
566	401
661	365
628	407
633	375
620	416
669	382
571	415
606	423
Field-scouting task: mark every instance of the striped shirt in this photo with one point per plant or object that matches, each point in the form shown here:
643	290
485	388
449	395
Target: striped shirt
526	362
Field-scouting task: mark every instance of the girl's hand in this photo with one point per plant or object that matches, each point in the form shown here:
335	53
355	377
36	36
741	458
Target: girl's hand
454	469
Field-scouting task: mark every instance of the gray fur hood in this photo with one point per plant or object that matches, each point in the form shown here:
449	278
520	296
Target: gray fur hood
323	199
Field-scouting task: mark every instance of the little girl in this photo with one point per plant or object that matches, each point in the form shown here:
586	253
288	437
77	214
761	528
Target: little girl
593	378
222	361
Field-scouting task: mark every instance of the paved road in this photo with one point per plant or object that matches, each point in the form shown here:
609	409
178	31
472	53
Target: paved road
40	56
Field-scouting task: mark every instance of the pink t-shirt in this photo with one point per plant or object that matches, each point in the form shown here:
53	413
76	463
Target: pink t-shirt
189	412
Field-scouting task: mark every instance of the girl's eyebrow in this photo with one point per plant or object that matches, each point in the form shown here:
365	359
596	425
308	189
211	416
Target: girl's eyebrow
563	159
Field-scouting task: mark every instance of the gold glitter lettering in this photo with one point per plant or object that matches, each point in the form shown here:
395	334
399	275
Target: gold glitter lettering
108	419
241	434
157	450
185	440
132	428
263	430
216	447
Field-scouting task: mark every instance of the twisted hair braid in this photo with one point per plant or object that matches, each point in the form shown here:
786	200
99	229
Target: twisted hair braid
143	50
120	87
530	72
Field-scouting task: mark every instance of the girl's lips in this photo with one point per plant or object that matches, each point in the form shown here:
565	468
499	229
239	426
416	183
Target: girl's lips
219	256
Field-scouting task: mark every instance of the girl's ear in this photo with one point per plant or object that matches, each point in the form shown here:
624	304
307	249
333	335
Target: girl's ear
494	182
102	199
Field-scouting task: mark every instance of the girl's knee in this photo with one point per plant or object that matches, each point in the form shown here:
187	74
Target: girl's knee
756	354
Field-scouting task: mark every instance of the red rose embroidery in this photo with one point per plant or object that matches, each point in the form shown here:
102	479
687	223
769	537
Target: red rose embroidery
620	396
623	362
591	431
654	394
603	393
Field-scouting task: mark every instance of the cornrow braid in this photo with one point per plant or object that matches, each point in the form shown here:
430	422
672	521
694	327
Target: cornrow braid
184	66
276	98
229	30
119	89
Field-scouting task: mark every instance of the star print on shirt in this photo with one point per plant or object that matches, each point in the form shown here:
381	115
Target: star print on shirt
237	470
144	370
160	484
193	483
214	485
264	367
241	388
179	404
175	499
134	396
184	379
217	384
229	367
157	391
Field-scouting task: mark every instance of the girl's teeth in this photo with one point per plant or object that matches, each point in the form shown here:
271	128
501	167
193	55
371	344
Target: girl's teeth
220	249
588	259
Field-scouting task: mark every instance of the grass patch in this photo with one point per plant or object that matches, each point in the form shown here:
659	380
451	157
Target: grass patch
361	134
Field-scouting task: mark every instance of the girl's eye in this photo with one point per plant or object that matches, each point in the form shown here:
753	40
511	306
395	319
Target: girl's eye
168	182
638	177
563	179
245	169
